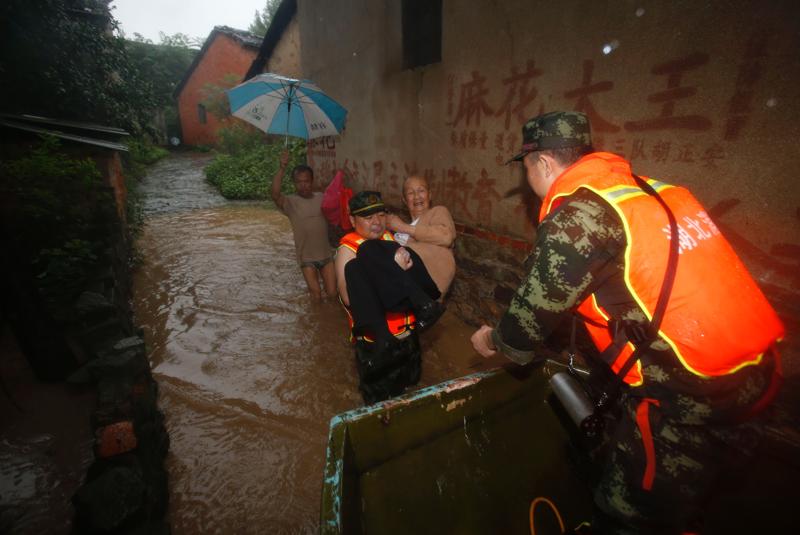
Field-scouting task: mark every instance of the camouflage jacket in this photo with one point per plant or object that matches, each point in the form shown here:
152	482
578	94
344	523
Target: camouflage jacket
580	250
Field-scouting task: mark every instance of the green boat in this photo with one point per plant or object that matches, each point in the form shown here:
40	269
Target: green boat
464	456
470	456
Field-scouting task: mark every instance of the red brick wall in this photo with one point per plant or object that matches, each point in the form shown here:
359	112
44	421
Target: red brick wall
224	56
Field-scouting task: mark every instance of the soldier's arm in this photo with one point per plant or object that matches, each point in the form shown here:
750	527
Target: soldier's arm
573	245
343	256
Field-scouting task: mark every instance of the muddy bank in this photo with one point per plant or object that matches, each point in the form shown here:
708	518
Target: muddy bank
45	449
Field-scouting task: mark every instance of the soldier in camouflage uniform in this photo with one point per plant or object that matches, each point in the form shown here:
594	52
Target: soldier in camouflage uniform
695	423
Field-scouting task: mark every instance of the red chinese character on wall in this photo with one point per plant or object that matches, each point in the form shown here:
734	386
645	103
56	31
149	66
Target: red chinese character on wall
393	177
599	124
748	74
667	119
377	174
713	154
685	153
513	142
661	150
456	192
485	193
619	146
410	169
451	93
436	185
367	177
472	102
483	138
325	169
519	86
637	150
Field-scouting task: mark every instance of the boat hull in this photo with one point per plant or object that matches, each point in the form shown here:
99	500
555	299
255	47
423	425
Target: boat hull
465	456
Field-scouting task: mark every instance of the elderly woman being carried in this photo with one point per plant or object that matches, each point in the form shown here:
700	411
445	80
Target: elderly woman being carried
430	234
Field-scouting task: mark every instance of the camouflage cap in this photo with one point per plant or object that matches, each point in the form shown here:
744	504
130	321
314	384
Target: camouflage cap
554	130
366	203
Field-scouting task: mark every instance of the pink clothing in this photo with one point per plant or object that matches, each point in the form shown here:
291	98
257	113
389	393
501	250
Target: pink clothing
335	202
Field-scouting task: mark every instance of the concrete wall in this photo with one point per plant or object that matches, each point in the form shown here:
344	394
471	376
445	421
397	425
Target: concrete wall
285	59
702	94
224	56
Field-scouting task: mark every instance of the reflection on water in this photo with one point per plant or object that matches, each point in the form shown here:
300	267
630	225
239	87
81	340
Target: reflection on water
250	369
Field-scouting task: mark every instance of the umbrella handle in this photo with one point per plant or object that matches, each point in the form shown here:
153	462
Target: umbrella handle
290	94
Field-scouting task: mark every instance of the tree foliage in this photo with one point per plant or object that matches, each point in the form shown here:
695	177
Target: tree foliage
163	66
263	18
61	58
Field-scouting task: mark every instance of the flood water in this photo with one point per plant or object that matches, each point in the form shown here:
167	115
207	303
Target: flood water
250	369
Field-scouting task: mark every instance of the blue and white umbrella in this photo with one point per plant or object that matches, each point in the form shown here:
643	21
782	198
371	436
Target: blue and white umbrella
280	105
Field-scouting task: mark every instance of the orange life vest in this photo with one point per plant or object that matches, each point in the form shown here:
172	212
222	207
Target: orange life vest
717	320
398	322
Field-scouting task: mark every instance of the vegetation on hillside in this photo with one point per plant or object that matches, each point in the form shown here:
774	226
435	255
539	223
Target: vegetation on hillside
60	58
163	66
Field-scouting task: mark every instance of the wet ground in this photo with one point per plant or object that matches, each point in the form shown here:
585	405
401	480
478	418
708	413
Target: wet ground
45	446
250	369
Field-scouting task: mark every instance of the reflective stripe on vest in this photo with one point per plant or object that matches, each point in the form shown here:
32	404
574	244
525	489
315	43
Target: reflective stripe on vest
717	320
397	322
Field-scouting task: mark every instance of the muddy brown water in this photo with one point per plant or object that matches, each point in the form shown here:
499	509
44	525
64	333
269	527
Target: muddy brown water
250	369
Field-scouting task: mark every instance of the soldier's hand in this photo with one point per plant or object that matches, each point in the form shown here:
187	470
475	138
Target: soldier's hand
403	258
284	159
482	341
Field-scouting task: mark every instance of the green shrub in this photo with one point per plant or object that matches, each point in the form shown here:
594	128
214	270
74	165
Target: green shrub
239	137
247	174
142	150
57	216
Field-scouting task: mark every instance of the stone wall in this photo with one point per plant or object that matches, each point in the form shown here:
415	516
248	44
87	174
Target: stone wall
125	490
74	319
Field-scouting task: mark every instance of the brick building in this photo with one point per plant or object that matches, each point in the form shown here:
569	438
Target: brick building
227	51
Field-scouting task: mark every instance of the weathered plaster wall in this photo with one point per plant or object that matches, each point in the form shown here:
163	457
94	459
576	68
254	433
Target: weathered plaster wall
700	93
225	56
285	59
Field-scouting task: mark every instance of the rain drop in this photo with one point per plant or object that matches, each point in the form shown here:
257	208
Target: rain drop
772	102
609	47
639	11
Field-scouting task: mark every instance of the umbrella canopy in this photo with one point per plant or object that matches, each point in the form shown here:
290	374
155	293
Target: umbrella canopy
280	105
